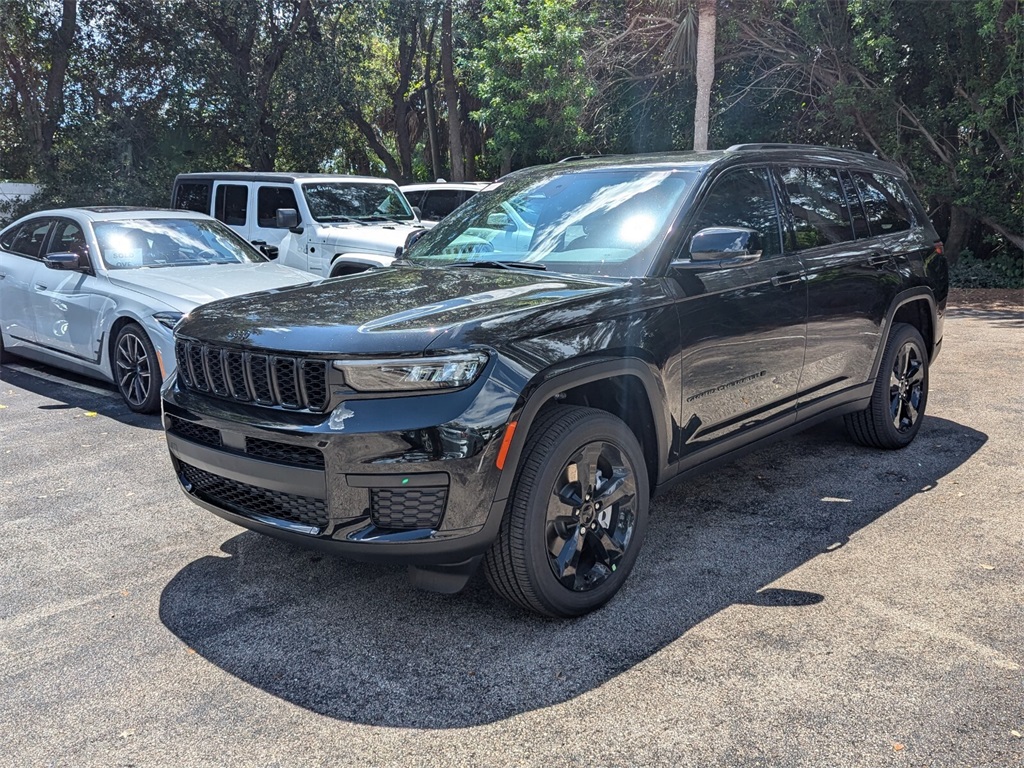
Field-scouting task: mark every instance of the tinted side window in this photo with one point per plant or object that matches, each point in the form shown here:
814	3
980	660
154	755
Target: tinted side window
268	200
820	215
31	237
440	202
8	237
193	196
860	223
884	204
743	198
415	198
67	238
232	202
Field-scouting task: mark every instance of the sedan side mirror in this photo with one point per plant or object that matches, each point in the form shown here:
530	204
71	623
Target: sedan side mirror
722	247
286	218
63	261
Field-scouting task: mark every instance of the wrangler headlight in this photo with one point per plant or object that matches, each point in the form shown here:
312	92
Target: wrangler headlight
413	373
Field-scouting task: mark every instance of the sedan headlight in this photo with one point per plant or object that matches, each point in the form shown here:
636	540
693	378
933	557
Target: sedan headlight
168	319
413	373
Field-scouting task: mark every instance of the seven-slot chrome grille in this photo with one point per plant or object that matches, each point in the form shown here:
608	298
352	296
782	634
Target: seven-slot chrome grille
252	377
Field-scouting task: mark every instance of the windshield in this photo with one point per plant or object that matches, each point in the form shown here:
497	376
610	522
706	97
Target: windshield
597	221
348	201
141	243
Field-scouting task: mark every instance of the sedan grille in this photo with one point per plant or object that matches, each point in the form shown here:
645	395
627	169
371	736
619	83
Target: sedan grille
296	383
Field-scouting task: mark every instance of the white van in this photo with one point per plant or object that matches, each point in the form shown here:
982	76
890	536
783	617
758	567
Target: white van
325	224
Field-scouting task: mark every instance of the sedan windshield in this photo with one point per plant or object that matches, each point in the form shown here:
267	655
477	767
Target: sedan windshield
143	243
348	201
591	221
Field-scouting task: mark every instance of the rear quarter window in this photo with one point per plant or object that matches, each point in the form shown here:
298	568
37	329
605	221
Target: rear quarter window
193	196
885	205
818	206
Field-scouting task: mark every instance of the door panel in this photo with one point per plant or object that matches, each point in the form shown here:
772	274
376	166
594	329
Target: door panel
66	301
19	259
851	281
742	327
270	197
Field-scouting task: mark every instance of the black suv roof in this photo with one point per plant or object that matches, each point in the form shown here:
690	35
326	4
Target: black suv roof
741	154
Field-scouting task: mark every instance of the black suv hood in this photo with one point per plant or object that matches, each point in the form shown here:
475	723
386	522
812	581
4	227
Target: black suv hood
397	310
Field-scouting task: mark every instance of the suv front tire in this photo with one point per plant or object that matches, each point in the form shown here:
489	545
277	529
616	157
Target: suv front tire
576	517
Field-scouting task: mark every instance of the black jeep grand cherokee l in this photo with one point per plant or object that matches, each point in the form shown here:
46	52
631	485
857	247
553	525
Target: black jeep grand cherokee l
564	345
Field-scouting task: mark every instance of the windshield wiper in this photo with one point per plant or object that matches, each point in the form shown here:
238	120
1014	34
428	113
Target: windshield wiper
382	217
340	217
492	264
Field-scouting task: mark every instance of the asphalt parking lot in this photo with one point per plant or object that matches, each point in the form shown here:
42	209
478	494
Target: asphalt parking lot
814	603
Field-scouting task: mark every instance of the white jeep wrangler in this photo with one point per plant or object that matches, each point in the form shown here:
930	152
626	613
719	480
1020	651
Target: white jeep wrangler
328	225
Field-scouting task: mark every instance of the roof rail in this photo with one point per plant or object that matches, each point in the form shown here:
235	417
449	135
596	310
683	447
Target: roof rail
574	158
756	147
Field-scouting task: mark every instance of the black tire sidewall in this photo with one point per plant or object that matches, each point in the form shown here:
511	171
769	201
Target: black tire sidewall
152	401
558	600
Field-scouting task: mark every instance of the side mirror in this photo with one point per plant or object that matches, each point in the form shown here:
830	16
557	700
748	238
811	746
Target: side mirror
722	247
270	251
417	212
499	220
63	261
286	218
412	237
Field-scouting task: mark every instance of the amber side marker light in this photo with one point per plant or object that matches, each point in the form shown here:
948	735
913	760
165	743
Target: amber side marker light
506	442
938	247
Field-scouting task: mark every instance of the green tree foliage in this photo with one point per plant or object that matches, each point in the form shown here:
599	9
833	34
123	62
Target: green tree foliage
104	101
532	80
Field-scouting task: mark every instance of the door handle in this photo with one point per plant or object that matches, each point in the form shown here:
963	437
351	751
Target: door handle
785	278
40	287
878	259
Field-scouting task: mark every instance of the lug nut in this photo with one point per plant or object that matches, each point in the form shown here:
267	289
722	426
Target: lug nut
593	526
575	513
597	505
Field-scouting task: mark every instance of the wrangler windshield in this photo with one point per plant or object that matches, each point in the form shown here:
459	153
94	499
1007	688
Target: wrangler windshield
348	201
598	221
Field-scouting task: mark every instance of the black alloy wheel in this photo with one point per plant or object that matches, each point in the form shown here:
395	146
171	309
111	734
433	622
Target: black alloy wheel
591	516
576	517
905	386
894	415
136	370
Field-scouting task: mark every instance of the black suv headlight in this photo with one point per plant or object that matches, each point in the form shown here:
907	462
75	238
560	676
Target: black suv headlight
410	374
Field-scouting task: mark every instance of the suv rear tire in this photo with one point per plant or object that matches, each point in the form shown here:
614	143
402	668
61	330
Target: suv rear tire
577	515
894	415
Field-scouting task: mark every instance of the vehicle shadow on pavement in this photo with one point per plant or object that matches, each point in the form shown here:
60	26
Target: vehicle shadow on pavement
70	395
1004	318
355	642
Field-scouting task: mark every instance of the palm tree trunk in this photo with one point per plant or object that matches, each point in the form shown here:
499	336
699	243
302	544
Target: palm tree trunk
707	13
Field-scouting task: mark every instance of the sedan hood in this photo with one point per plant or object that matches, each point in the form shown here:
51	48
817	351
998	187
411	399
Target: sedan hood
186	287
398	310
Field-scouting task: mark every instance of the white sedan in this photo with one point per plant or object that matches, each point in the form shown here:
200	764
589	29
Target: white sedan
99	290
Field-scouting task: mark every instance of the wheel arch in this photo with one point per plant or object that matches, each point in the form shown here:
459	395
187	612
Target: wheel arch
915	307
111	340
625	388
355	263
